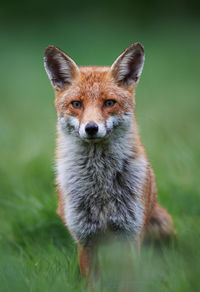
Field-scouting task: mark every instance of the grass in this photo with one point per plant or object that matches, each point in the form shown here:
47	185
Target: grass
36	252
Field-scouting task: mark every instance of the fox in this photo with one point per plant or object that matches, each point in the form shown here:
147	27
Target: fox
106	185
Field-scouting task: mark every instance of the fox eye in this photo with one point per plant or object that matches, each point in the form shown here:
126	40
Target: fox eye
109	103
76	104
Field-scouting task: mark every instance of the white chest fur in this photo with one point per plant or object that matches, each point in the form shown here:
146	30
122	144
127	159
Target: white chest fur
101	185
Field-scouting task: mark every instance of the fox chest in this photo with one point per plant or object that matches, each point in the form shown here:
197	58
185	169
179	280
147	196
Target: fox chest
101	195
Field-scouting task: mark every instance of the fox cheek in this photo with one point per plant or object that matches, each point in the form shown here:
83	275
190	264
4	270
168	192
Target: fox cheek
119	123
68	124
73	122
112	122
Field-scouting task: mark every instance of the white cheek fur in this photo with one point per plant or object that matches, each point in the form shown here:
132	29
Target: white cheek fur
111	122
74	122
66	122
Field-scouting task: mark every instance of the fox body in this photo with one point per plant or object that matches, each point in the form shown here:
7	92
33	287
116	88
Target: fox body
106	186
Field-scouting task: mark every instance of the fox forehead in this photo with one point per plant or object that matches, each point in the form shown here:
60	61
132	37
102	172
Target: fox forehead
94	84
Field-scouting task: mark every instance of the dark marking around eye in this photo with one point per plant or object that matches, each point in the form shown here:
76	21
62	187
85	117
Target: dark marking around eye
77	104
109	103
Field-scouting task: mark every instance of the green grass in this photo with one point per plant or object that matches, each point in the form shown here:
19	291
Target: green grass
36	251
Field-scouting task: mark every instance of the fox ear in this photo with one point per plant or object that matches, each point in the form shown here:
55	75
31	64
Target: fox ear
127	69
60	68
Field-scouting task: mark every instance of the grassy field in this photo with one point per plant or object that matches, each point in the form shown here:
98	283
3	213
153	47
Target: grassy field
36	252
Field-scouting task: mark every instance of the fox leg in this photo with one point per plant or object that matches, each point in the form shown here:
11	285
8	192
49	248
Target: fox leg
160	226
88	262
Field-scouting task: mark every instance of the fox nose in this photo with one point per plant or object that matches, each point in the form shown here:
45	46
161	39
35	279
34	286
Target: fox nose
91	129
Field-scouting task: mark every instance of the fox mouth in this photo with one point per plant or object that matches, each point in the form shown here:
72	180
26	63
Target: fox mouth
93	139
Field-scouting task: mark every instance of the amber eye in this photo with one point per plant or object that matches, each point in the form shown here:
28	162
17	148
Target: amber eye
109	103
76	104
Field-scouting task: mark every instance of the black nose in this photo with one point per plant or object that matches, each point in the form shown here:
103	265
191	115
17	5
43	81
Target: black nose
91	129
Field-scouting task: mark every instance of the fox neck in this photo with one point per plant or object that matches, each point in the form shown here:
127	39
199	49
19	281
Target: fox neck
96	161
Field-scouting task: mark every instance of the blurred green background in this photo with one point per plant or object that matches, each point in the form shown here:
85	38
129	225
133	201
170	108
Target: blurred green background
36	252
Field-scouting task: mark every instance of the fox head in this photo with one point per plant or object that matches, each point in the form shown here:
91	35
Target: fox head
94	103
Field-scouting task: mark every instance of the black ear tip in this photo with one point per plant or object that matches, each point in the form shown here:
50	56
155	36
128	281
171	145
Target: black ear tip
137	46
50	49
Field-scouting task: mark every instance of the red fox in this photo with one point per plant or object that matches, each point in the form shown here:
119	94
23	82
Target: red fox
106	185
